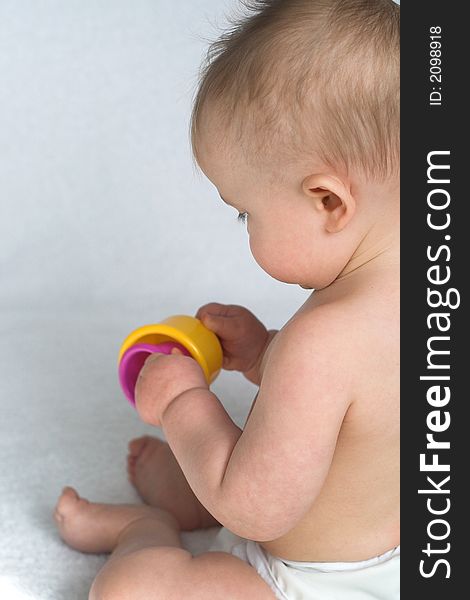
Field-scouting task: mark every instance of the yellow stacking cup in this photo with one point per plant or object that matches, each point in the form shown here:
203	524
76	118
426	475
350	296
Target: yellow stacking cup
201	343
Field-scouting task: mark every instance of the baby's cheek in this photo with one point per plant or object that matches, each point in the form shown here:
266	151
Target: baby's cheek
259	253
270	258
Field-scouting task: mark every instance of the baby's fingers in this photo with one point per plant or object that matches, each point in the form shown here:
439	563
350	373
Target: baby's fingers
226	328
215	309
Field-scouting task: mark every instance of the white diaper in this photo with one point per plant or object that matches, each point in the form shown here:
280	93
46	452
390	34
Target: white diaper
375	579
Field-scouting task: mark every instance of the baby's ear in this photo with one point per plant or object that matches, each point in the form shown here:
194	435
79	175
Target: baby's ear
331	197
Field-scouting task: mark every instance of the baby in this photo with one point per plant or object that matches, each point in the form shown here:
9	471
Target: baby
296	123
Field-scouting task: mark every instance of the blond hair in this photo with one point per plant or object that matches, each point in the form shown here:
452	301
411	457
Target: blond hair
302	77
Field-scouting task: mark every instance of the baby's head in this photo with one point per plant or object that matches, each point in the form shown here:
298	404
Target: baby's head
296	122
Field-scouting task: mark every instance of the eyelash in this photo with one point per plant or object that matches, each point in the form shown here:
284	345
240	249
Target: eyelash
242	217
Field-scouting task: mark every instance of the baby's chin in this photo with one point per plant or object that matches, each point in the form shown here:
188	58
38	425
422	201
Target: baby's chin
319	283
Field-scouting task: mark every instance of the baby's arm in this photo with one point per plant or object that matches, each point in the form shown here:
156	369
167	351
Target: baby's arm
259	482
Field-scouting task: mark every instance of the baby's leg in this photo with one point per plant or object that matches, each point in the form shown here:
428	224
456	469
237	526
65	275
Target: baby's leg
147	559
157	476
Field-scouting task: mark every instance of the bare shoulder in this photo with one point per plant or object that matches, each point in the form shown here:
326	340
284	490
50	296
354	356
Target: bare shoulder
360	335
353	340
313	352
324	328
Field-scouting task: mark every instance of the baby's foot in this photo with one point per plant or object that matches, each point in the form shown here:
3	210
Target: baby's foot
92	527
147	466
157	476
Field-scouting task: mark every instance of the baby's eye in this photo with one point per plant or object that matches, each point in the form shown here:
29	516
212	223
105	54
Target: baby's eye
242	217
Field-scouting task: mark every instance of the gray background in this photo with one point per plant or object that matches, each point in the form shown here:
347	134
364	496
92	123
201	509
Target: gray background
104	226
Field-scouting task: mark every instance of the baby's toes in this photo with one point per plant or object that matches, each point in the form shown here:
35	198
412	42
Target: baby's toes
131	461
67	504
137	445
77	522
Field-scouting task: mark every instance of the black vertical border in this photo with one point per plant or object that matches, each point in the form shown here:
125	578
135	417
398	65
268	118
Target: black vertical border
426	128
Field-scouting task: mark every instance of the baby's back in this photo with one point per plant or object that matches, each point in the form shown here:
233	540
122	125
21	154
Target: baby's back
356	514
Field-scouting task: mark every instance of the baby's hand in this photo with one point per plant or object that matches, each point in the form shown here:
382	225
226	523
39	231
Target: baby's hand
242	335
162	379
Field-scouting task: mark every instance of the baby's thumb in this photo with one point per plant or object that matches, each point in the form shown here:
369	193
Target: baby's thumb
216	323
209	321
